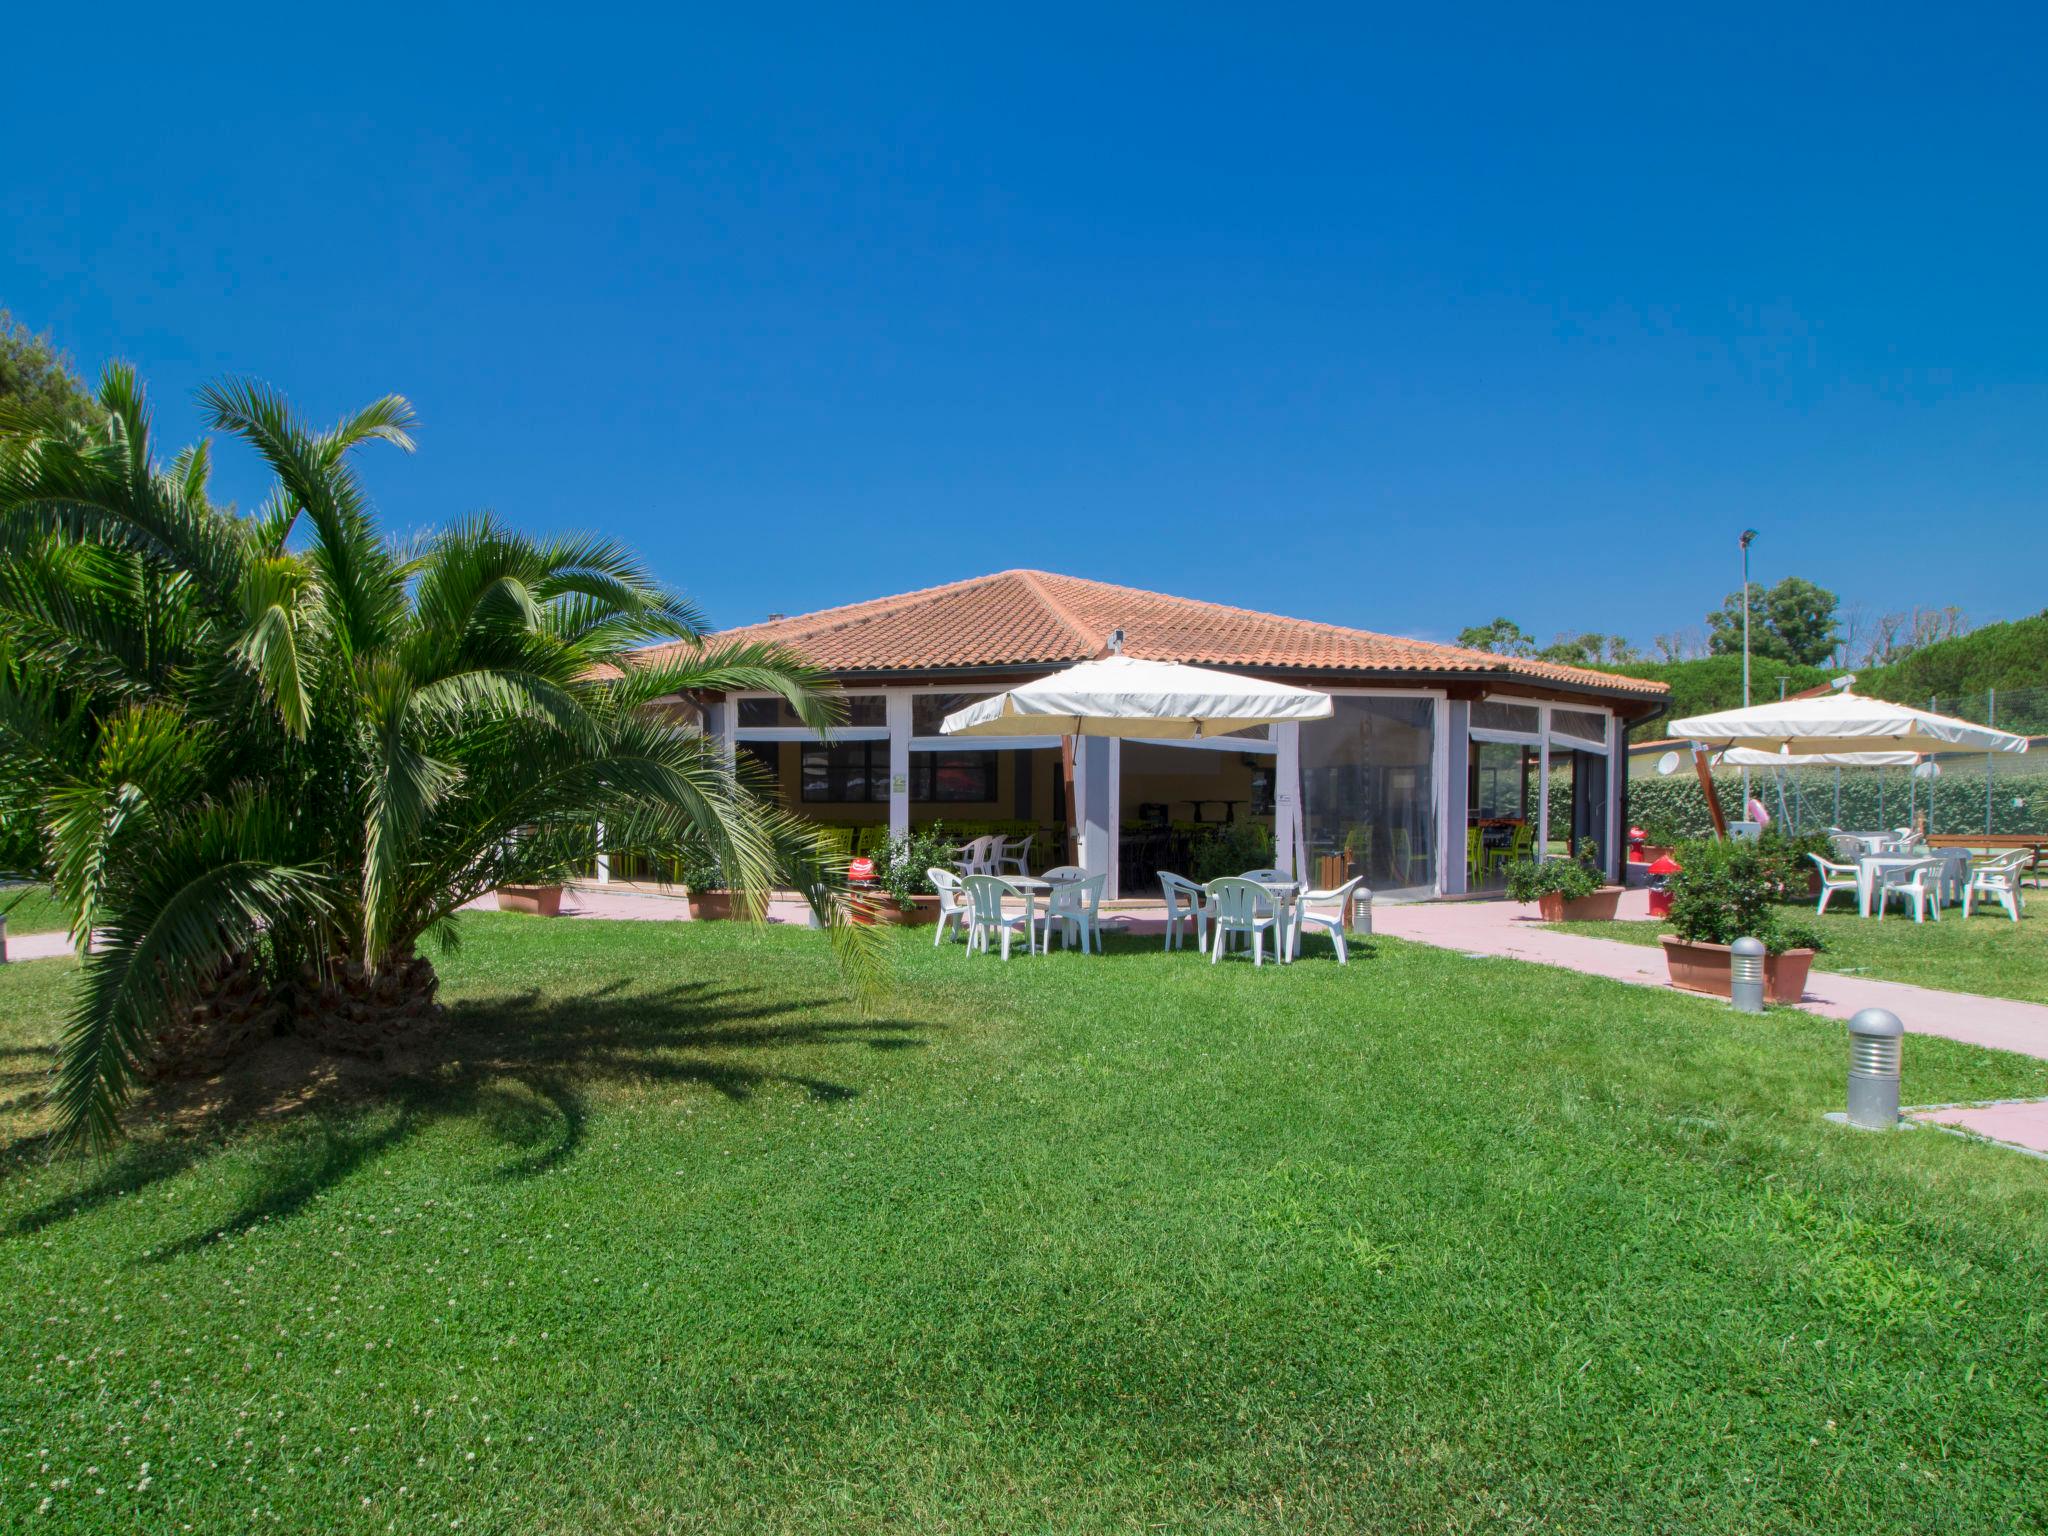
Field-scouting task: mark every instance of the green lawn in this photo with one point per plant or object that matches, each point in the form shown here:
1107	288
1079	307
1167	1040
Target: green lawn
677	1242
32	909
1988	953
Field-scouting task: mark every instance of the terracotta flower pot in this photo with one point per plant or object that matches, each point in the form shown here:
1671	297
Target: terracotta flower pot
540	900
879	909
1596	908
1652	852
1705	968
710	906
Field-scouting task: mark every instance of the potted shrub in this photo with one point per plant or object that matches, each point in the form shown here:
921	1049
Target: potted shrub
1565	890
705	887
1717	901
902	893
540	900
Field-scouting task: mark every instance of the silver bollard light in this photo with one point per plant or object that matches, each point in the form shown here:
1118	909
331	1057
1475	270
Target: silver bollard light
1361	911
1746	976
1874	1038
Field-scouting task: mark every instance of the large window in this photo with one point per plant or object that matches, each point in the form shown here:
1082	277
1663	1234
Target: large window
847	772
928	710
857	772
867	709
952	776
1368	786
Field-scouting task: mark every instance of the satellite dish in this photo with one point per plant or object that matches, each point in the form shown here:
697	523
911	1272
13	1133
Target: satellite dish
1668	763
1927	770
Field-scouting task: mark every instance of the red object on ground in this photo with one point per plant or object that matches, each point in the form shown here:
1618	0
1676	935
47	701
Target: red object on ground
1660	890
861	872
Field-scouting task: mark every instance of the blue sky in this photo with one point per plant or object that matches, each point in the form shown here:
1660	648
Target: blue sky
1393	319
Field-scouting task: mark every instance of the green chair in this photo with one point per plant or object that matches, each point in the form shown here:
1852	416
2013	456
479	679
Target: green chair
1400	854
837	840
1520	846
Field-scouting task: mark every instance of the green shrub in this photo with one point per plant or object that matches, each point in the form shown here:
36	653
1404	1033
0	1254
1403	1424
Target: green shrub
1573	879
1230	849
900	868
1731	890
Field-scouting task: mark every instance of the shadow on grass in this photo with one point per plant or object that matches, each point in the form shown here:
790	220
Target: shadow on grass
521	1066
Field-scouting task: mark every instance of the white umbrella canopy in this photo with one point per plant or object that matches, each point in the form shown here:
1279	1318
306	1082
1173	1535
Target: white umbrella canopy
1751	757
1138	700
1843	721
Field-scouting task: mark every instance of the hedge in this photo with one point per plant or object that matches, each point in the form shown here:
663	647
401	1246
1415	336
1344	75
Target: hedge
1676	807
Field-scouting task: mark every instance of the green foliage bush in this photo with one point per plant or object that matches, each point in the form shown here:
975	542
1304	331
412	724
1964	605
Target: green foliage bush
900	868
1731	890
1230	849
1573	879
1672	809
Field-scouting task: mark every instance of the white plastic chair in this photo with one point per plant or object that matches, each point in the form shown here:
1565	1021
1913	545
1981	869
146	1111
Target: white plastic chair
954	907
1185	900
1327	910
1745	831
986	893
1242	907
1923	888
975	858
1998	880
1013	855
1076	906
1833	877
1846	848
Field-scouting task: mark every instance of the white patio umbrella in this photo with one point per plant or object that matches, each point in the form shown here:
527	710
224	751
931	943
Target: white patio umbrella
1840	722
1138	700
1123	696
1843	722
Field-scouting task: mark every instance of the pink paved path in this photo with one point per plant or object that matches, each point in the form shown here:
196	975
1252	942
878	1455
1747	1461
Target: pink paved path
2021	1122
1504	928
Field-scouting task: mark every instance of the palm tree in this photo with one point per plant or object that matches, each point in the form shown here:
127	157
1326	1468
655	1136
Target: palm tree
282	745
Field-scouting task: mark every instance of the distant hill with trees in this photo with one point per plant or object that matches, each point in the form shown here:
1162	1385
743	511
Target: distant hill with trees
1957	673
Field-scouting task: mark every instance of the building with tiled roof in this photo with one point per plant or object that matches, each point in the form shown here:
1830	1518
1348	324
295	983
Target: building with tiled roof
1439	766
1037	619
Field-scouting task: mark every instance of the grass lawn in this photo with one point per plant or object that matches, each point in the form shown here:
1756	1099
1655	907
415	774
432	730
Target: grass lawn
676	1242
32	909
1988	954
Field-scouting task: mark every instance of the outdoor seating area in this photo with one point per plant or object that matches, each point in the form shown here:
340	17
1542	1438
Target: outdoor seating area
1900	868
1251	912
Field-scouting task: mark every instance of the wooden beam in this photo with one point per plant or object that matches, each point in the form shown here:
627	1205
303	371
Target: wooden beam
1699	764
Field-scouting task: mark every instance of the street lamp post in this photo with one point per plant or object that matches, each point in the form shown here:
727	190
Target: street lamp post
1748	535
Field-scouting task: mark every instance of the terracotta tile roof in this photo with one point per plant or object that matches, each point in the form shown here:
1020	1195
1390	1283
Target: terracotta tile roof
1024	618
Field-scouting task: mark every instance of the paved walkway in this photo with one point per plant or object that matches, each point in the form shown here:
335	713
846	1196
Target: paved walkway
1504	928
38	946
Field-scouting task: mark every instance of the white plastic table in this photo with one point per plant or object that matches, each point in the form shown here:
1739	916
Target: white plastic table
1870	871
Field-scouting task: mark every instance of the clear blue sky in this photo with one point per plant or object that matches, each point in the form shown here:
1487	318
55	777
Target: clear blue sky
1391	319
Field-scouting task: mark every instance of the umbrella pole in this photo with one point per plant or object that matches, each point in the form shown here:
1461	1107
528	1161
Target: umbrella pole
1699	764
1067	775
